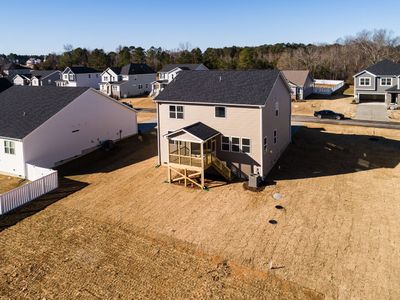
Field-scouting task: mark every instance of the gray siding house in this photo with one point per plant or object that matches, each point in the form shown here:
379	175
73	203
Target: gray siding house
235	121
378	83
301	83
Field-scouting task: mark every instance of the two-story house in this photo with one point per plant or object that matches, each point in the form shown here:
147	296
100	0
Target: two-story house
37	78
237	122
79	77
378	83
43	78
130	80
169	73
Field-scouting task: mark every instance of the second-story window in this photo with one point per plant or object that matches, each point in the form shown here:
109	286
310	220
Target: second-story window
71	77
140	86
365	81
220	112
386	81
65	76
176	112
105	78
276	109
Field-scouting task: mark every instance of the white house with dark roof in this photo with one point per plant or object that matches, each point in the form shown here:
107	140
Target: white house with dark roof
11	69
237	122
79	77
47	126
378	83
37	78
170	72
301	83
130	80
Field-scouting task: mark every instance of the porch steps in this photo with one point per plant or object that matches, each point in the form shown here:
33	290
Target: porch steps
221	168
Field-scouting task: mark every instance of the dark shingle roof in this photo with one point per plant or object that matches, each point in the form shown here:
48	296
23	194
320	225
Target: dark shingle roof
170	67
201	131
4	84
24	108
221	87
384	67
132	69
393	89
43	73
83	70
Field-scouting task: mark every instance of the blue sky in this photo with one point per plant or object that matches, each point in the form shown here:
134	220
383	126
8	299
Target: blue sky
45	26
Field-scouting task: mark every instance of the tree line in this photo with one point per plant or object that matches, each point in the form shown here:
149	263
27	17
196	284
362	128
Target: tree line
340	60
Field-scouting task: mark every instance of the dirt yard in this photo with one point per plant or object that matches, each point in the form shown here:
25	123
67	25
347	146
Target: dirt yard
115	229
339	103
7	183
145	106
141	102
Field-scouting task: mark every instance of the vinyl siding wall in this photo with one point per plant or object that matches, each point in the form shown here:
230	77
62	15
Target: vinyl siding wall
281	123
243	122
12	164
94	119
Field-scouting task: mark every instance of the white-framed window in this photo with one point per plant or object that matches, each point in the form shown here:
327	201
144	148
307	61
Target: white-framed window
220	112
71	77
365	81
65	76
9	147
275	136
225	143
276	108
235	144
265	144
105	78
386	81
115	87
176	112
246	145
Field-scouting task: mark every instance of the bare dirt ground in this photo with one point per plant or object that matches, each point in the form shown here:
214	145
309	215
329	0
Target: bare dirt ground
394	115
338	103
126	233
7	183
141	102
146	103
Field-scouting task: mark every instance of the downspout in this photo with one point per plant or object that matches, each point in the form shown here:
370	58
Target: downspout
158	134
262	143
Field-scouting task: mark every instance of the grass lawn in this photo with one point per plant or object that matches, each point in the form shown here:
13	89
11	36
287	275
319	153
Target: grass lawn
126	233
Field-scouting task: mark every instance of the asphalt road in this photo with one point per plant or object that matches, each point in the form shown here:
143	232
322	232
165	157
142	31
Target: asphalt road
350	122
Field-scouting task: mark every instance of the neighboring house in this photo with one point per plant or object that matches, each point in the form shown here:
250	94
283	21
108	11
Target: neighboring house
42	78
31	62
11	69
79	77
378	83
4	84
236	121
47	126
37	78
130	80
301	83
169	73
22	79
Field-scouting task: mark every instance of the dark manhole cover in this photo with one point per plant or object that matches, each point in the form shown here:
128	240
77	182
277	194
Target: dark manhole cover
273	222
279	207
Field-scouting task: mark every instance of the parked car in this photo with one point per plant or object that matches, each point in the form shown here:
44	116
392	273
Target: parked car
328	114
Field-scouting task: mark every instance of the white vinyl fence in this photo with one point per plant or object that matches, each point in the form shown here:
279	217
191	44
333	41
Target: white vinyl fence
28	192
334	86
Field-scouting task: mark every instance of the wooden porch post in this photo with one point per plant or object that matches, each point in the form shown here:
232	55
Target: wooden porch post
202	164
185	177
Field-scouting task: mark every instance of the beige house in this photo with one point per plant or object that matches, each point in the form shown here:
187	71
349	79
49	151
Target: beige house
301	83
237	122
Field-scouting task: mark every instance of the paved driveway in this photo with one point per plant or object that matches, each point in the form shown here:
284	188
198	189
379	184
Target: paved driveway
372	111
